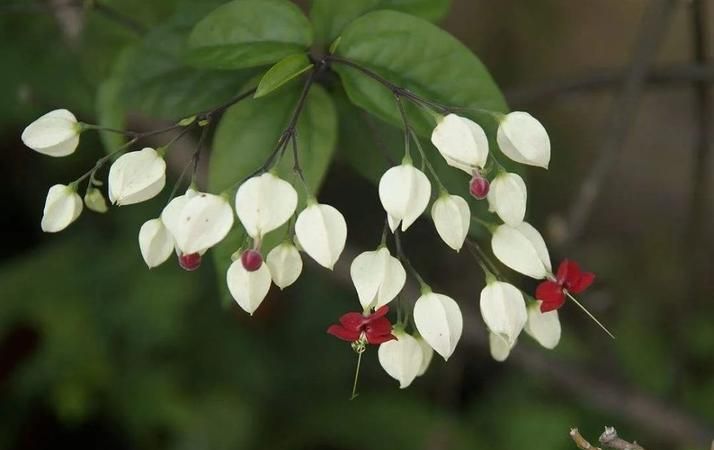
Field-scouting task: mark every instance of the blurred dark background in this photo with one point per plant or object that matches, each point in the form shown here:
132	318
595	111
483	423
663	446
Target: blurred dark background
98	352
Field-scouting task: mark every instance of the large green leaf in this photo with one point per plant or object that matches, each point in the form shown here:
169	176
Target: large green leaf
330	17
248	33
247	134
285	70
417	55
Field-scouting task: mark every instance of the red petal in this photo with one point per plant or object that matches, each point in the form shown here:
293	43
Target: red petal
584	282
352	321
381	312
379	326
549	291
568	272
552	306
343	333
380	338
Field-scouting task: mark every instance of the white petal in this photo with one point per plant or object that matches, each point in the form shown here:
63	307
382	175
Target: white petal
439	321
264	203
427	353
523	139
94	200
543	327
322	232
462	142
62	207
378	277
401	358
54	134
136	177
522	252
503	310
452	217
404	192
248	288
171	213
508	197
203	222
499	347
155	242
285	264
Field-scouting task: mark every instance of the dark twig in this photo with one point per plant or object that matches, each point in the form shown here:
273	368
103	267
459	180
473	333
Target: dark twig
118	17
610	439
622	113
580	441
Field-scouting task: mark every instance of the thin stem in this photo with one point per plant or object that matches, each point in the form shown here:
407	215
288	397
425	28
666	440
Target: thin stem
101	161
426	160
197	153
589	314
482	258
354	384
403	257
405	123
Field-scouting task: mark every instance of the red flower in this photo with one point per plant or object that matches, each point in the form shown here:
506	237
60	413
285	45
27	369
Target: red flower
569	279
376	328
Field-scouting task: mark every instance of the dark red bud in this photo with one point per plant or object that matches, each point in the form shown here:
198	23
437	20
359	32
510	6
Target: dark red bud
251	260
190	262
478	187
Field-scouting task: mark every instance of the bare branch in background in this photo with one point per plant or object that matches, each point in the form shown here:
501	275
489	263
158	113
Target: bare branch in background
608	439
621	116
580	441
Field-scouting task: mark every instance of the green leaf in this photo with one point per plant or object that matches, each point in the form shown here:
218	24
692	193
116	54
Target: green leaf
285	70
330	17
431	10
247	135
165	87
111	113
417	55
249	33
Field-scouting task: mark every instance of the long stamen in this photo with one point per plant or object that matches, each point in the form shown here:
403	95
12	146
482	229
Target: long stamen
589	314
354	384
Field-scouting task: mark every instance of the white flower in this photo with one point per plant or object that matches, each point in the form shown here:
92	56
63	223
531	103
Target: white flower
401	358
171	213
248	288
426	354
136	177
522	249
285	264
62	207
503	310
321	231
404	192
543	327
523	139
94	200
197	221
155	242
452	217
264	203
439	321
508	196
462	142
499	347
54	134
378	277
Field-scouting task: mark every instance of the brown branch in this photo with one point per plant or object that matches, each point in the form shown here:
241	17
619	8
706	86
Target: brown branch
621	116
610	439
580	441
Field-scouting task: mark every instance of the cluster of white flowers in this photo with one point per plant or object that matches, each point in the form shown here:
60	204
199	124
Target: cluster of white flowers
192	223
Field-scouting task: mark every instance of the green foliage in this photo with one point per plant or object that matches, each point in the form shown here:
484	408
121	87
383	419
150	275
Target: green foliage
249	33
283	71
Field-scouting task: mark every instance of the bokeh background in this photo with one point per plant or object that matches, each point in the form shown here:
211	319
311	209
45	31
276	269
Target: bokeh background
96	351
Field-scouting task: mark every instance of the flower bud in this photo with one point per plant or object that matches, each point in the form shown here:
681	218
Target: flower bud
522	249
62	207
54	134
499	347
503	310
523	139
248	288
378	277
190	262
479	186
439	321
264	203
401	358
155	242
285	264
452	218
462	142
136	177
508	197
543	327
198	221
94	200
426	354
404	192
251	260
322	232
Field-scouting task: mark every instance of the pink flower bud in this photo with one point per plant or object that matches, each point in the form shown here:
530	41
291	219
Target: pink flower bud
478	187
190	262
251	260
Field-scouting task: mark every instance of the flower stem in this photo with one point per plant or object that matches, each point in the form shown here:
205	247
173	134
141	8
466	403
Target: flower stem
426	160
354	384
589	314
